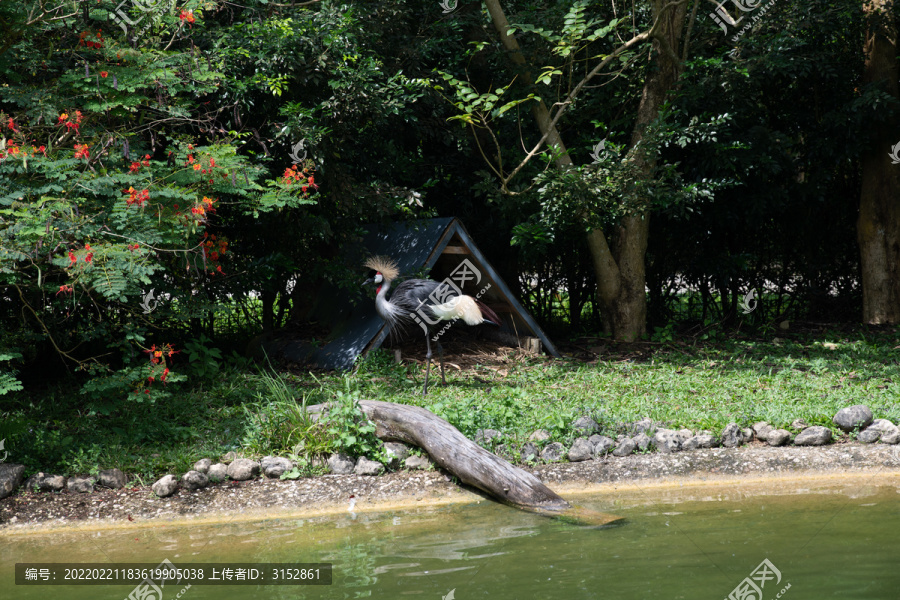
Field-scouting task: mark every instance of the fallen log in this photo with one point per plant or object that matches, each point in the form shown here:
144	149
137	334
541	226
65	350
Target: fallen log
468	461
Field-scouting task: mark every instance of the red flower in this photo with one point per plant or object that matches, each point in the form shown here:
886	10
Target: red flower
135	167
103	74
89	257
42	149
187	15
65	289
62	118
81	150
72	258
11	124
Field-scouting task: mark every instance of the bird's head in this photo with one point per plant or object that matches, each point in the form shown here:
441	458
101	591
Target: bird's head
385	270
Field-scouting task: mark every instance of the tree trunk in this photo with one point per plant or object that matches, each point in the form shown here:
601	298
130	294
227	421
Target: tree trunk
471	463
622	293
878	225
619	267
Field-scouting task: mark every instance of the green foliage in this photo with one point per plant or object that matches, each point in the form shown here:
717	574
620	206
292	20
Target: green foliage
279	424
351	432
203	359
8	381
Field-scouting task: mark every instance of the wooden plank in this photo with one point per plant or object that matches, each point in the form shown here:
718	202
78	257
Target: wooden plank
456	250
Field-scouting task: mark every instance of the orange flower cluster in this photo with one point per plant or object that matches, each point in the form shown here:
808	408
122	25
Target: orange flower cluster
91	43
187	16
65	289
137	197
89	257
303	176
64	119
158	363
203	207
136	166
215	248
81	151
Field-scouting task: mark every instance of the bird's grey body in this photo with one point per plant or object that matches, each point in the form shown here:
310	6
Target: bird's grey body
414	302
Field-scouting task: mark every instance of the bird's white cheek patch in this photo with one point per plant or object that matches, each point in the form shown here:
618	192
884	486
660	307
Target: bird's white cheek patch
378	278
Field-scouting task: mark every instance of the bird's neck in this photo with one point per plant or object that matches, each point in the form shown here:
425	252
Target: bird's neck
382	306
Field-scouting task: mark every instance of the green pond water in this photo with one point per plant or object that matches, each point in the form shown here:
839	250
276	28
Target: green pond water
832	541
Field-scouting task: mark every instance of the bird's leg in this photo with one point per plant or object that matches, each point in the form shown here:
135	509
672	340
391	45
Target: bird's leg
427	365
441	354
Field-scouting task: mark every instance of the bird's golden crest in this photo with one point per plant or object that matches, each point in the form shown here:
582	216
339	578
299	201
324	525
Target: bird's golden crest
384	265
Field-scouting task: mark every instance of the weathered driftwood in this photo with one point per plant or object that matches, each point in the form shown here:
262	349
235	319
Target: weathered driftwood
471	463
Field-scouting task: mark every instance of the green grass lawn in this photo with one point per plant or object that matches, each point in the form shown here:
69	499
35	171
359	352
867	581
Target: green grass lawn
698	386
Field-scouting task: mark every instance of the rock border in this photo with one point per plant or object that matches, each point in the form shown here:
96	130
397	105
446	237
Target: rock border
644	435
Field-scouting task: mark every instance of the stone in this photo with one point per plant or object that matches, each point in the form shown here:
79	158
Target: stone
417	463
642	441
581	450
869	436
274	466
585	426
701	440
732	436
194	480
80	485
602	444
203	465
396	453
813	436
11	475
625	447
747	434
778	437
165	486
45	483
242	469
341	464
113	479
799	424
853	417
217	472
684	435
486	437
230	457
554	452
890	438
666	441
643	426
364	466
539	435
529	452
761	430
880	429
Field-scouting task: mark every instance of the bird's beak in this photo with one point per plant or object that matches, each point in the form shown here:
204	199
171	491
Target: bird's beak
369	281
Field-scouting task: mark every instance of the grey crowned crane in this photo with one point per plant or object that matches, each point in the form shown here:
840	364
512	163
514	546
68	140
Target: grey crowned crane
413	302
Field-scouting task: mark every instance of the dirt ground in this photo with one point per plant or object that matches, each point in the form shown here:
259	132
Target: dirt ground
331	493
